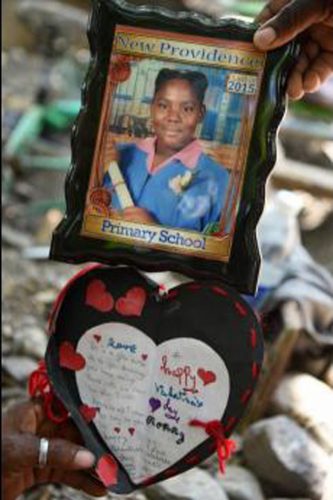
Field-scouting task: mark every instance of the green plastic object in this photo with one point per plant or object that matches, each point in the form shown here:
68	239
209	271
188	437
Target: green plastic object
249	9
61	163
42	206
26	131
61	114
311	111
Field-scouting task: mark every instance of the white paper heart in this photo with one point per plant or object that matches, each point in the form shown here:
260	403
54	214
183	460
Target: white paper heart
147	394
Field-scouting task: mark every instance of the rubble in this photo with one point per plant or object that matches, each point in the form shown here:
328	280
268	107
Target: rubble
310	402
285	457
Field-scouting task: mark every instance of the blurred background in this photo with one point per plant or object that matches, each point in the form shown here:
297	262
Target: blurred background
285	442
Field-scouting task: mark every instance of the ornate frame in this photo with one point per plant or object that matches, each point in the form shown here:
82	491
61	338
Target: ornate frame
240	266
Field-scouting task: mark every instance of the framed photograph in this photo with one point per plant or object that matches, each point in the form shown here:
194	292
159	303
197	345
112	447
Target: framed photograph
173	145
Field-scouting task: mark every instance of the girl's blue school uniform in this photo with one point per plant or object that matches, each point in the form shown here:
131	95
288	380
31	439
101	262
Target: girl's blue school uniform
199	203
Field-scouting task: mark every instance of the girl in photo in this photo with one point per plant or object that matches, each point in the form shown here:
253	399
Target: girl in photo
170	180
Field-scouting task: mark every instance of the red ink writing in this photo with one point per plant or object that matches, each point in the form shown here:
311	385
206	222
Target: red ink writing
183	374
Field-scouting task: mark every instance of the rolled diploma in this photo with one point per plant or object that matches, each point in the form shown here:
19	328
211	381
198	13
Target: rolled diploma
119	185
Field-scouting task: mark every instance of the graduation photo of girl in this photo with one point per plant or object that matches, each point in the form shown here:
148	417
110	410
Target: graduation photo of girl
171	148
169	179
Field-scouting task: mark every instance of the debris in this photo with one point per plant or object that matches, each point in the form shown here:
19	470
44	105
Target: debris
194	484
68	22
49	222
310	402
240	484
36	253
285	456
18	367
290	174
15	238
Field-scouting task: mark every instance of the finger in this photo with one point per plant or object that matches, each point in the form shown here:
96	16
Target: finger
293	18
22	451
69	432
295	89
323	36
318	72
311	49
270	9
20	417
311	82
83	481
68	456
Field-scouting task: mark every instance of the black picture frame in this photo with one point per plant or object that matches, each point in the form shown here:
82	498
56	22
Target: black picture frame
239	267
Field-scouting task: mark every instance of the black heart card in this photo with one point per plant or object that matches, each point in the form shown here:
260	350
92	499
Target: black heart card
146	375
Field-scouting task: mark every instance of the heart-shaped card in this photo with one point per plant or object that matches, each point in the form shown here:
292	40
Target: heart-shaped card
135	368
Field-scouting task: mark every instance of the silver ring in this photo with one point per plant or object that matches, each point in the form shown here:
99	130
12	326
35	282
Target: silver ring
43	451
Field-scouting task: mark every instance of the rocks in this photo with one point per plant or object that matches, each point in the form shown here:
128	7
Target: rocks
310	402
14	238
240	484
33	341
194	484
285	456
18	367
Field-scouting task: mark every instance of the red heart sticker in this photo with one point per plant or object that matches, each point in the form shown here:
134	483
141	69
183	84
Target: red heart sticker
207	377
107	470
69	358
98	297
98	338
88	412
131	430
133	302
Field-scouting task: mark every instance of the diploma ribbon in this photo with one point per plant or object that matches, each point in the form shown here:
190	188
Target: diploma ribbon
119	185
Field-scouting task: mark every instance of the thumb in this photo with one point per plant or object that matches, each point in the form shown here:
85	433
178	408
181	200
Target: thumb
292	19
22	451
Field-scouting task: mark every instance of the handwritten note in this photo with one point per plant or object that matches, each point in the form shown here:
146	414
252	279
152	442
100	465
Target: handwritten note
147	394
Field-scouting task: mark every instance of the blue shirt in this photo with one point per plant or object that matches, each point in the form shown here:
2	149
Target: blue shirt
199	202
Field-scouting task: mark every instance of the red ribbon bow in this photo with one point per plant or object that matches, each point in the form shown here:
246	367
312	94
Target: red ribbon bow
224	447
39	386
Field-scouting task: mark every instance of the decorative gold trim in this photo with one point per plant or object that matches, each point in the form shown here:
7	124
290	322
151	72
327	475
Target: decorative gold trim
159	237
188	50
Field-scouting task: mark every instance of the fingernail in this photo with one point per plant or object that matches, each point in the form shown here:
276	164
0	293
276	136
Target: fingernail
84	459
265	37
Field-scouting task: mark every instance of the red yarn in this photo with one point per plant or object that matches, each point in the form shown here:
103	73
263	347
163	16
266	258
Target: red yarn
39	386
224	447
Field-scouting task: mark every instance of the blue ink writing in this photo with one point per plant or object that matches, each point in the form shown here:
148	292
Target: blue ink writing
170	413
179	395
119	345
